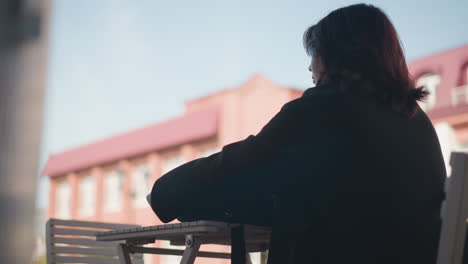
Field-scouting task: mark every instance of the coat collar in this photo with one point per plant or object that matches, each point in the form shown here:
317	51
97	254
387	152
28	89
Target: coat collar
333	87
329	87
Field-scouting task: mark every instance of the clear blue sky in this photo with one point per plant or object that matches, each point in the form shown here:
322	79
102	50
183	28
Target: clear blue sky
116	65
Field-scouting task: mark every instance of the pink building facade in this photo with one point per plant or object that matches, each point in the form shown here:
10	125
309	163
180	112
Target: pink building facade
445	75
109	179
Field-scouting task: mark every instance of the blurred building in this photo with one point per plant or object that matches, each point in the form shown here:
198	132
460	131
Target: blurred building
109	179
445	75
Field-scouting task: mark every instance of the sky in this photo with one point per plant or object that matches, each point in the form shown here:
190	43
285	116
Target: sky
117	65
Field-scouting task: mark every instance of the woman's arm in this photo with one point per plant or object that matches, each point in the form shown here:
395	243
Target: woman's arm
203	186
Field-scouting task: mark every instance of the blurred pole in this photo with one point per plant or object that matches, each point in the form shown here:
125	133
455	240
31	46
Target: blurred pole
23	55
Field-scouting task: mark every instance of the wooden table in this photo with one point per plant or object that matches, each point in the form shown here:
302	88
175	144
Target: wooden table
242	238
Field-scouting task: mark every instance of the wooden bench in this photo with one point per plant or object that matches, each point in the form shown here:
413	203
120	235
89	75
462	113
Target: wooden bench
70	241
242	238
453	235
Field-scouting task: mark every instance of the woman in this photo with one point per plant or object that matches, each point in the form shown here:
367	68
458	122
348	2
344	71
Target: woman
354	164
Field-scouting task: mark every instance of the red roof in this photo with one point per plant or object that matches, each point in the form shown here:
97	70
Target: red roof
187	128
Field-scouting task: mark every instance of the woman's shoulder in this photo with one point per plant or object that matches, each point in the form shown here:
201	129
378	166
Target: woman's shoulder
318	96
354	99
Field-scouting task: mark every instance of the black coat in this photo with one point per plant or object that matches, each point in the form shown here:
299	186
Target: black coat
358	182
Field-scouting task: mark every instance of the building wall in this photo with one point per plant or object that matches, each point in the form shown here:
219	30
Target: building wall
449	65
449	118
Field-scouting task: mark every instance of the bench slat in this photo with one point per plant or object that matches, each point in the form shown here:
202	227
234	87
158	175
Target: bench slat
169	233
89	224
175	226
89	260
179	252
83	242
75	232
85	251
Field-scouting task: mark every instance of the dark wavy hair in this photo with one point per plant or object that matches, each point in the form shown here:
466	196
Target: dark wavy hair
357	43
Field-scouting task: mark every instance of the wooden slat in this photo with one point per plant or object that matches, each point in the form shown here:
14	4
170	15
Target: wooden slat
178	252
224	240
141	241
49	243
85	251
89	260
175	226
74	232
177	242
156	233
82	242
89	224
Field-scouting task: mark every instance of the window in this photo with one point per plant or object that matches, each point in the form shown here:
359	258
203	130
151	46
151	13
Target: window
172	163
431	82
113	184
87	196
210	151
141	178
460	95
62	200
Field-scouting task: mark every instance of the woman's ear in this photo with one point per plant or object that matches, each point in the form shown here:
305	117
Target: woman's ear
317	68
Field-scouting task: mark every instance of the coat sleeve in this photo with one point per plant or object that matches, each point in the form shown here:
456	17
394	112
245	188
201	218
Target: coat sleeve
208	188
